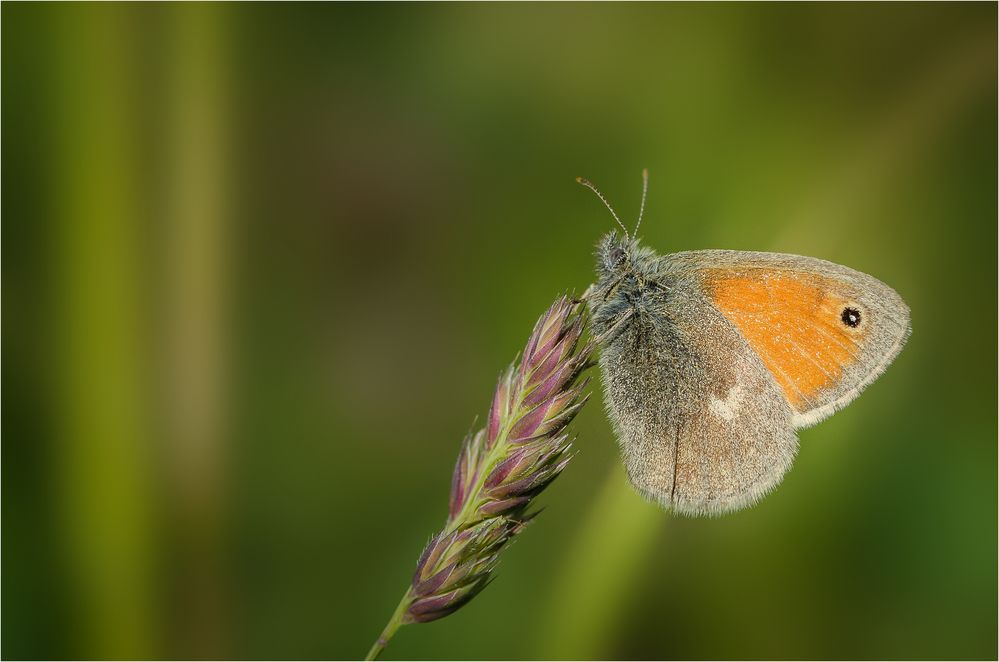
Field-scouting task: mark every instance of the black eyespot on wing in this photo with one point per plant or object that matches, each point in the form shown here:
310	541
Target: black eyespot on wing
851	317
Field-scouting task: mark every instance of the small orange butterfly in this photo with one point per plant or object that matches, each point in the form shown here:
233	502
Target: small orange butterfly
711	359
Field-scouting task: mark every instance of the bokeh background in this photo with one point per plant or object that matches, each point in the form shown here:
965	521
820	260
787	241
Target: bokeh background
263	264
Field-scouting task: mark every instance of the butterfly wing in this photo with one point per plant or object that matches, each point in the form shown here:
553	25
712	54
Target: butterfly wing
824	331
703	426
712	368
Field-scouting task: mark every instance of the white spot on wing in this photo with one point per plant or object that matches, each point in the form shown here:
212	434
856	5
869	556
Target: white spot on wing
728	408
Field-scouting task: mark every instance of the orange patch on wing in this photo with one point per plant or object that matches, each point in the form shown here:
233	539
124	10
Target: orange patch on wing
792	321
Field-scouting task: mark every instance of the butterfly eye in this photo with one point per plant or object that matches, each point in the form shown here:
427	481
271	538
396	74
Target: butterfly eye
617	256
851	317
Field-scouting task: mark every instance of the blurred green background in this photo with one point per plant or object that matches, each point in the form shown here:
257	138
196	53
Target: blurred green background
264	263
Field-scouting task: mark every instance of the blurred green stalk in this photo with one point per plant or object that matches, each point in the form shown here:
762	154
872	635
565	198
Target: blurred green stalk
104	456
610	551
194	319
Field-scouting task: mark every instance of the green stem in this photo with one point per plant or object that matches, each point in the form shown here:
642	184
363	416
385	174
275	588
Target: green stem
390	627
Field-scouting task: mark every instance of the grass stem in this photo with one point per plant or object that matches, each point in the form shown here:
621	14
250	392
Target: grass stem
390	627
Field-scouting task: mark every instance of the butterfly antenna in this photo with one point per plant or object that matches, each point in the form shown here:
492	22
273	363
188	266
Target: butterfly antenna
645	191
588	184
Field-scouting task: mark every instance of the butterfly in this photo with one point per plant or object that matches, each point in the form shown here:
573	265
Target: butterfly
711	359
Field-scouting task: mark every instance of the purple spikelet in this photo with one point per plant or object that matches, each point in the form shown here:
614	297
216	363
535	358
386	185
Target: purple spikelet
502	467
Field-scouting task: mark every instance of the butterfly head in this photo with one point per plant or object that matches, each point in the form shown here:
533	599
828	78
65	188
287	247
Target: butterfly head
615	255
622	263
621	259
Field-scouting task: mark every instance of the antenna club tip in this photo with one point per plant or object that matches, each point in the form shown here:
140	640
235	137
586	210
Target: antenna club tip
645	172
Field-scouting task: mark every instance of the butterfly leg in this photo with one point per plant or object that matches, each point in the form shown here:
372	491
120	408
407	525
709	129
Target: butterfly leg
609	335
